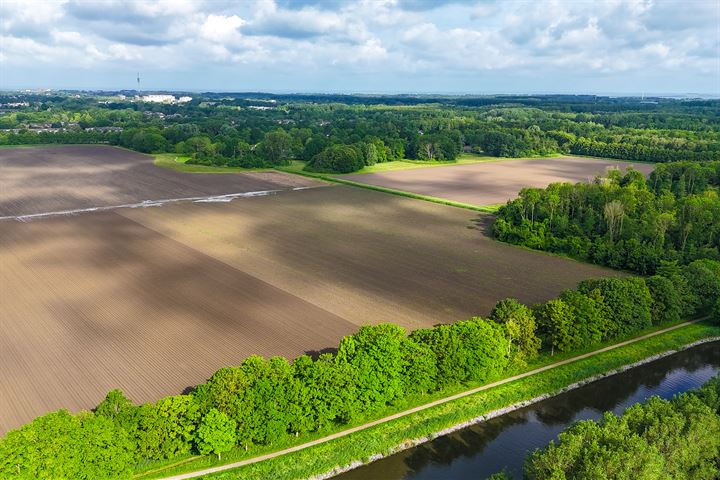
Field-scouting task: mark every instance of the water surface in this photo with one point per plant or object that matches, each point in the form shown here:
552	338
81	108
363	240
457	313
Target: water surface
503	442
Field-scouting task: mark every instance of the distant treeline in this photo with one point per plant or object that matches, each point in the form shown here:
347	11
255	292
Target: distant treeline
622	220
261	402
677	439
268	131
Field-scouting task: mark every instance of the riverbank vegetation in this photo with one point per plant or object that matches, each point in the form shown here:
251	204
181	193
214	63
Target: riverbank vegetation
347	133
263	403
622	220
677	439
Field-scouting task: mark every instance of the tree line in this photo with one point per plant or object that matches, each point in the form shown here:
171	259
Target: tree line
677	439
622	220
346	135
265	401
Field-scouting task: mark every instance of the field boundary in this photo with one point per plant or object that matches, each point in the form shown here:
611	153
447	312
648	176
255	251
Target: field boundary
425	406
392	191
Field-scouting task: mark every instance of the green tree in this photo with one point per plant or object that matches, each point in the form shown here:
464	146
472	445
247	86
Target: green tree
520	328
556	326
337	159
167	428
628	299
376	354
667	304
216	433
276	147
420	367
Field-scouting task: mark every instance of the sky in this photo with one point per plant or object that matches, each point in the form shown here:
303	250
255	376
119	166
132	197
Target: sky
371	46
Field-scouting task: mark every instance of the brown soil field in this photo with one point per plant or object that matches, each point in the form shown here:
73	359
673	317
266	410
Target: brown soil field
97	301
153	301
57	178
493	183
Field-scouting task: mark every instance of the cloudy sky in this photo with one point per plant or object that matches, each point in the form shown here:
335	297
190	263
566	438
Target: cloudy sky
461	46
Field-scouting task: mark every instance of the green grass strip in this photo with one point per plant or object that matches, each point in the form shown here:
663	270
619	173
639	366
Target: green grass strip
384	438
442	201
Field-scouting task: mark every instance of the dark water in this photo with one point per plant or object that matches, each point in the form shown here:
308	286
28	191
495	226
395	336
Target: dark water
483	449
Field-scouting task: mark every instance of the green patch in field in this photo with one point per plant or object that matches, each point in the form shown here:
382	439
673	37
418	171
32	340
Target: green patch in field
179	163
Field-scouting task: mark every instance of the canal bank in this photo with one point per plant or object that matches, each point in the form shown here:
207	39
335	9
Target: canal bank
501	439
332	452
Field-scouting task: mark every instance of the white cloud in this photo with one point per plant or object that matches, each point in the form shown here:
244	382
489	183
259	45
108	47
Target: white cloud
382	37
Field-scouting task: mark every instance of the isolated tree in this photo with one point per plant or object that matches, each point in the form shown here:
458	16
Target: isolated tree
216	433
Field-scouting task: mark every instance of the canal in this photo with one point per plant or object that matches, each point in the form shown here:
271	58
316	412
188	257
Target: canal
503	442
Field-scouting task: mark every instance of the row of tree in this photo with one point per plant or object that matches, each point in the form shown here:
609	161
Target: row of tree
227	131
262	402
622	221
677	439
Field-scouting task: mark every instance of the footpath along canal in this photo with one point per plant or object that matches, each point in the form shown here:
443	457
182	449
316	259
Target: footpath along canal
503	442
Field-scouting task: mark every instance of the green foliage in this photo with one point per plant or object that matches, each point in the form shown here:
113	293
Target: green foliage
628	298
376	354
592	318
471	350
276	147
216	433
59	446
557	326
703	277
167	428
337	159
620	220
677	439
667	302
263	402
520	328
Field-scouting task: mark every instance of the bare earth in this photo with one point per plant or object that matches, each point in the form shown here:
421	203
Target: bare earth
57	178
493	183
154	300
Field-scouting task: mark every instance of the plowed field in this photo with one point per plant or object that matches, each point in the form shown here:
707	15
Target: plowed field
492	183
37	180
154	300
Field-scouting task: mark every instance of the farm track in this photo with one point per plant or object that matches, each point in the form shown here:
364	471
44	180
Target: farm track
404	413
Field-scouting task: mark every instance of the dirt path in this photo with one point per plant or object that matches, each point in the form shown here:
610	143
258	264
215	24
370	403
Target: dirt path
420	408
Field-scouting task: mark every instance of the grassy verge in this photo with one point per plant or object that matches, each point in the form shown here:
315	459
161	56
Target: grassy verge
178	163
297	169
386	437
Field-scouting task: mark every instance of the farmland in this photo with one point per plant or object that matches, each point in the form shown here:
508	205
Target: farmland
49	179
153	300
492	183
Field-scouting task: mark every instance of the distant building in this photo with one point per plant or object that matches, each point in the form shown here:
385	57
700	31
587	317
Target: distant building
158	98
184	99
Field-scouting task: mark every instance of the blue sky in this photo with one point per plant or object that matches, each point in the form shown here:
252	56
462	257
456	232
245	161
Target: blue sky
389	46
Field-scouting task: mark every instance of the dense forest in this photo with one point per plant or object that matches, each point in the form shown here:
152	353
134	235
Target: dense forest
345	133
623	220
677	439
262	402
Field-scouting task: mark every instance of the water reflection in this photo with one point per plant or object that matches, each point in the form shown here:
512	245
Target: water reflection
503	442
